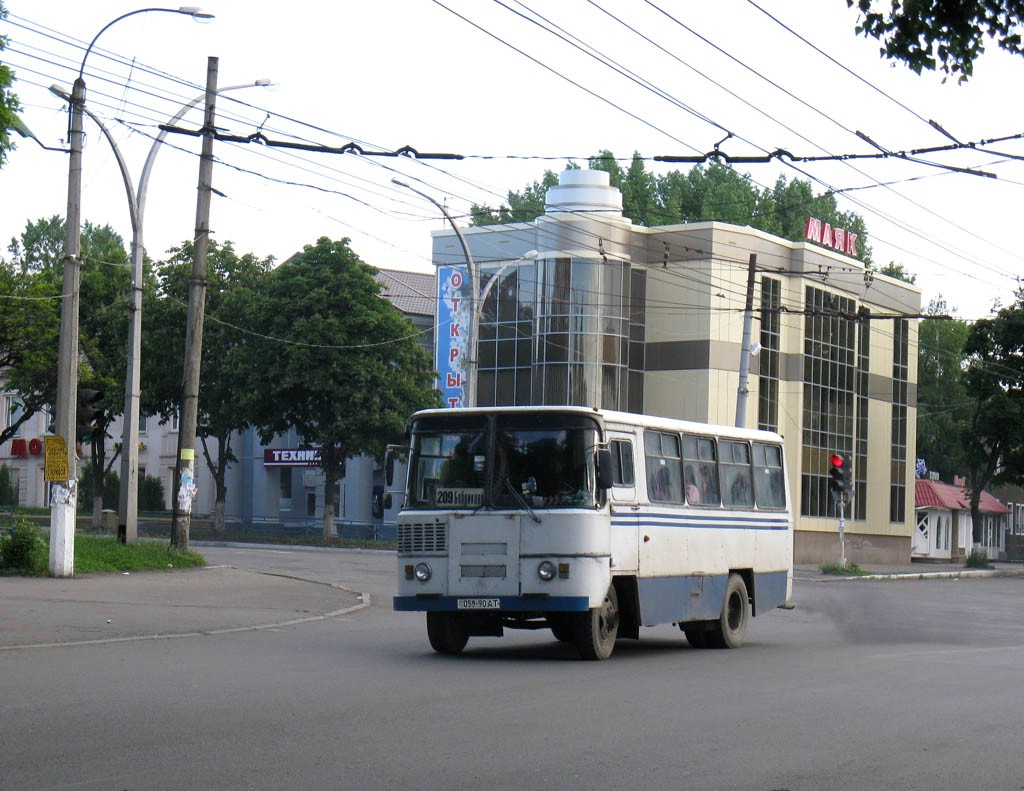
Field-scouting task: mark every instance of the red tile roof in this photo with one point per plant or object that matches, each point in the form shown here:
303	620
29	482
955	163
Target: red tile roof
935	494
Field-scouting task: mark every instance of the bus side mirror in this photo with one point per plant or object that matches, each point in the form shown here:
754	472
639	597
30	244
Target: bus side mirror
605	468
389	466
387	501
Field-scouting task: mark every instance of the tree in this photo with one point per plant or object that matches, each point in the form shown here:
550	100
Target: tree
706	192
995	384
9	105
331	359
898	271
29	329
943	405
232	283
524	206
946	34
37	259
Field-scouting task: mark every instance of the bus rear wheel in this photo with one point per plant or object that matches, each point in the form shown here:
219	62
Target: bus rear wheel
731	626
447	632
597	628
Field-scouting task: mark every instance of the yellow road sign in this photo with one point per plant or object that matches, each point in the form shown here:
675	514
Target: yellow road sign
56	458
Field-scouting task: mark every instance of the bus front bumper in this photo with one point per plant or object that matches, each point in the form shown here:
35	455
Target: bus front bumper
495	604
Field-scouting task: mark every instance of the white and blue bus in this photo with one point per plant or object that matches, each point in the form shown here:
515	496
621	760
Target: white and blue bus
590	523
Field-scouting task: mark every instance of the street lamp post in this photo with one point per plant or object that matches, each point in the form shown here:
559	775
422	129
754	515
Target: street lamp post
474	289
127	530
62	505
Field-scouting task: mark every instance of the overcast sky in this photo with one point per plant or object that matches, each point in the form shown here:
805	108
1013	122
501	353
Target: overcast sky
481	79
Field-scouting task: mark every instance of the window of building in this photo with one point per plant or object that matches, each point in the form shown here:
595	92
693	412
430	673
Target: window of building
770	356
13	410
828	388
505	375
898	456
285	488
664	467
860	464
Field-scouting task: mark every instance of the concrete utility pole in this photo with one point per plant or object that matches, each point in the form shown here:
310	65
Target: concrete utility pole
748	320
62	506
185	472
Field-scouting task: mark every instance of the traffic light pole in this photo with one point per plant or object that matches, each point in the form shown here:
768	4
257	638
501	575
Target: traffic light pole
842	532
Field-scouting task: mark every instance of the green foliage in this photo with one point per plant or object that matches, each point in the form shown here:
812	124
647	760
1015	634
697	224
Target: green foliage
849	570
898	271
30	329
931	34
233	282
523	206
330	359
978	559
95	554
706	192
943	405
8	496
22	550
151	494
9	105
111	488
994	381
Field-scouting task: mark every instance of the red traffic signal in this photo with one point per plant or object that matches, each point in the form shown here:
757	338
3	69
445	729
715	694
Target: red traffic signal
839	477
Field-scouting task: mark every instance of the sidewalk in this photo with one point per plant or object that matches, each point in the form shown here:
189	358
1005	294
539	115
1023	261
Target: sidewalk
96	608
927	570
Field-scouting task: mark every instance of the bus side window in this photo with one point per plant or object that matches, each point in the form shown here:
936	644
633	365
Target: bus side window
701	470
769	483
622	462
737	489
664	467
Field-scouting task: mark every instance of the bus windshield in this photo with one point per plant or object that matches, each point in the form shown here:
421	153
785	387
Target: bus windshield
503	460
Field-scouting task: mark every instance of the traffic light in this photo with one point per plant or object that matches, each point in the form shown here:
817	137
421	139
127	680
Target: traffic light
89	417
838	476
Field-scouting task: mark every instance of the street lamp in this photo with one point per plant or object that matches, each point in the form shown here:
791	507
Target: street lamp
62	505
474	288
128	504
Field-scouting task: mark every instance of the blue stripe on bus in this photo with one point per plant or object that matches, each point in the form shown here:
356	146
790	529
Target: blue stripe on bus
701	521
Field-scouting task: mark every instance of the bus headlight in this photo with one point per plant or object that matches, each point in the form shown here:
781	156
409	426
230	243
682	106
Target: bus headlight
423	572
546	570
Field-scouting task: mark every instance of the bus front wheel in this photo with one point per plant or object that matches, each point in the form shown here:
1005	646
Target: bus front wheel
447	633
597	628
731	626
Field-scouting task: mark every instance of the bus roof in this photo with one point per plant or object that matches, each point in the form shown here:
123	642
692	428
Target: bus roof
613	417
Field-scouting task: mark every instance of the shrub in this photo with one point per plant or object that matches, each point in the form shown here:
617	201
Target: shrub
8	497
978	559
22	549
151	494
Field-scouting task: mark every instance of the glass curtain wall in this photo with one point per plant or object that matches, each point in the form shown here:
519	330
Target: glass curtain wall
830	367
556	331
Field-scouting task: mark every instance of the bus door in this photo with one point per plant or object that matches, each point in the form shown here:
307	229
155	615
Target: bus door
623	503
483	554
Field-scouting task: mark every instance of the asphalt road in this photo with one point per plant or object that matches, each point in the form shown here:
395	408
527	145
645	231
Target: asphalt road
908	685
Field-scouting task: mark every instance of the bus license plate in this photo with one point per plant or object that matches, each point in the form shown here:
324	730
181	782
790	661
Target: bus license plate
478	604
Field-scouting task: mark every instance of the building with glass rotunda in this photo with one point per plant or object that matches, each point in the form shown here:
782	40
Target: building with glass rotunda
583	307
